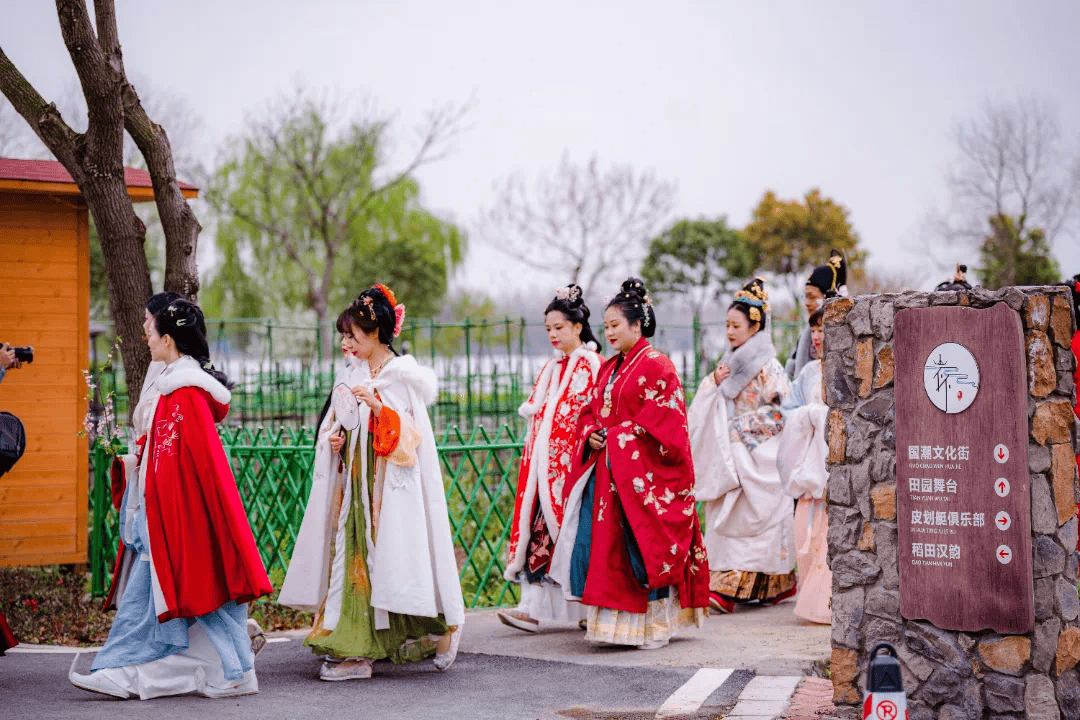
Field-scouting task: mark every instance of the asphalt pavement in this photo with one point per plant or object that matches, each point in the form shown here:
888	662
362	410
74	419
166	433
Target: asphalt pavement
34	686
501	674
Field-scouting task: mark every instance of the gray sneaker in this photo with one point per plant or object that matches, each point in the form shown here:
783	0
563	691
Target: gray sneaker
346	670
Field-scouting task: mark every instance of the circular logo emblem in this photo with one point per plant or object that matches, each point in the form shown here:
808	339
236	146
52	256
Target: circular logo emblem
951	377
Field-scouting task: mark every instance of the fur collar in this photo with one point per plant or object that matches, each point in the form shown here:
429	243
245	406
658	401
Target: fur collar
186	372
543	383
404	369
580	352
745	362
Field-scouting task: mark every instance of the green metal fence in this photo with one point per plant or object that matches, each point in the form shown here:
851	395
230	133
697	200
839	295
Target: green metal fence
273	473
485	368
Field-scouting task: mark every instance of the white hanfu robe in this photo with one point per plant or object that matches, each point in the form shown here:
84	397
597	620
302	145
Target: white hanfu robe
801	462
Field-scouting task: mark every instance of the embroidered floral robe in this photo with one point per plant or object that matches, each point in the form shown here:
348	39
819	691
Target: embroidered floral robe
750	525
644	483
562	389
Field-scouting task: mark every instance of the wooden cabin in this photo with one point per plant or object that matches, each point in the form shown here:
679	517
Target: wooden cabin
45	302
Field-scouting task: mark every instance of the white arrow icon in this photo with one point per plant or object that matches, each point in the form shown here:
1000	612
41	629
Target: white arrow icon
1002	521
1001	487
1004	554
1001	454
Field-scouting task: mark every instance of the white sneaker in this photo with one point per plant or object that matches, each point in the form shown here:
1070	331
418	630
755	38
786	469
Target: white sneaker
444	660
247	685
654	644
96	682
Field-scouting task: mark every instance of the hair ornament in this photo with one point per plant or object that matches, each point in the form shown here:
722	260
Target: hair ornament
399	318
181	322
755	296
387	292
570	294
364	304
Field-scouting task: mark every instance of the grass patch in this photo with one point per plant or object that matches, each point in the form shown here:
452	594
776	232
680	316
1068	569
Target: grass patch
51	605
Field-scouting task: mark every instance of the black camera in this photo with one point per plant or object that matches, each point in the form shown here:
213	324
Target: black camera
24	354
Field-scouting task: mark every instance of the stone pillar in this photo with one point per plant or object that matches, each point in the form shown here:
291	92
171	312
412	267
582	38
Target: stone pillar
950	674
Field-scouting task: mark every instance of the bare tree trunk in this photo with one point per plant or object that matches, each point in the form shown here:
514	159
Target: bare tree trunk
122	235
177	219
324	335
95	161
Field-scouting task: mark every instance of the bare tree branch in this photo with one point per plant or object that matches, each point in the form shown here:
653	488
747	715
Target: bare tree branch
1011	162
585	222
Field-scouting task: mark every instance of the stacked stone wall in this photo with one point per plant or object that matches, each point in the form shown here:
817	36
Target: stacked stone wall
949	674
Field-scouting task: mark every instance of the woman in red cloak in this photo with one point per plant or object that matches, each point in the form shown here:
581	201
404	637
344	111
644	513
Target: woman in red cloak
631	547
562	389
181	622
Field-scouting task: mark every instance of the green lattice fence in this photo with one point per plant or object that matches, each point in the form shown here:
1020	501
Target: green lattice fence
480	472
273	473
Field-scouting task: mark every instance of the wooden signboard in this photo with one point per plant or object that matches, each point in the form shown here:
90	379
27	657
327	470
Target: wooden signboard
963	503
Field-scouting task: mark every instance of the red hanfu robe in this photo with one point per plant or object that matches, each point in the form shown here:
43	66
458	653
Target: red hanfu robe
561	391
201	547
644	480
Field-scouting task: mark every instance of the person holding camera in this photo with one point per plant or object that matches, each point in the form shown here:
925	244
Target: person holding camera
8	360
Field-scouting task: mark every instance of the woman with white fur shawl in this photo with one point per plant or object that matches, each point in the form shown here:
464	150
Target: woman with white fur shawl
735	424
375	556
552	410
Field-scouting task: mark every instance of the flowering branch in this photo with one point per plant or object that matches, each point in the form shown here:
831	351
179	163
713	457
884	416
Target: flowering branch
103	431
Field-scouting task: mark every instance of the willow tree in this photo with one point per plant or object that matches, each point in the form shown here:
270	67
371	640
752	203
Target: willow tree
312	209
94	159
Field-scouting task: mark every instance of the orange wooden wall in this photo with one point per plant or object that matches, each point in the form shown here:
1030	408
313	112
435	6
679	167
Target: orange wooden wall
44	302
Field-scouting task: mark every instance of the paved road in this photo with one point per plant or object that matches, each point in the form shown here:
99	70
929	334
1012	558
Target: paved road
767	640
478	687
502	674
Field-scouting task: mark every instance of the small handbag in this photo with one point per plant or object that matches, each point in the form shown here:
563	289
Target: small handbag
12	441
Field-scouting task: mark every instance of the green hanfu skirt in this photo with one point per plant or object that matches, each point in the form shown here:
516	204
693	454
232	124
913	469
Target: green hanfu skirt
409	638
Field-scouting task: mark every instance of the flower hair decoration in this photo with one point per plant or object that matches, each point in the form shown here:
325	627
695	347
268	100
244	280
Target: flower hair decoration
642	301
387	292
181	322
366	304
570	294
399	318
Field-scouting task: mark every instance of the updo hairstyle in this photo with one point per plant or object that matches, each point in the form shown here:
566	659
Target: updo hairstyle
374	309
183	321
570	302
634	304
753	302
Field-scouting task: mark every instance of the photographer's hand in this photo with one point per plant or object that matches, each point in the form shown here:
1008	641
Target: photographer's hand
7	357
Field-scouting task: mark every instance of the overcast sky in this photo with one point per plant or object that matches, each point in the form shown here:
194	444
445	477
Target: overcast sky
727	99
